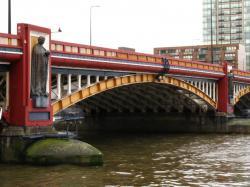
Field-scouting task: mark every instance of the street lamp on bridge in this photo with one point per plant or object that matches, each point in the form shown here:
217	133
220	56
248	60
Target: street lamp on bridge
90	23
9	16
58	31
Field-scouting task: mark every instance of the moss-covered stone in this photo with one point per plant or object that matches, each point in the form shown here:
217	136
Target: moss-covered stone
63	151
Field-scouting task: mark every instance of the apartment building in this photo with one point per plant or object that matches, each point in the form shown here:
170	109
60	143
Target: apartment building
227	22
234	54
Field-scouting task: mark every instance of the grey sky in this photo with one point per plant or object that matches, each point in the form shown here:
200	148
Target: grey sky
141	24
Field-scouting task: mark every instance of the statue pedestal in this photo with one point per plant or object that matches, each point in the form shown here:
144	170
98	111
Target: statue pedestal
40	102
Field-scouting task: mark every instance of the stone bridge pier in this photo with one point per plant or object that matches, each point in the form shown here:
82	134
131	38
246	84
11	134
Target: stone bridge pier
27	134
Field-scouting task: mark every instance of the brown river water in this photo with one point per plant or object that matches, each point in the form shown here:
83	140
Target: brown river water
148	160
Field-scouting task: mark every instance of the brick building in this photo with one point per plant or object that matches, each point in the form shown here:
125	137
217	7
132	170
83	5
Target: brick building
234	54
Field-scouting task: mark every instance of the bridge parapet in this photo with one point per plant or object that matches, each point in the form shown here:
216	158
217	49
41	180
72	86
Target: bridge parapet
8	40
87	50
240	75
10	49
12	41
74	54
196	65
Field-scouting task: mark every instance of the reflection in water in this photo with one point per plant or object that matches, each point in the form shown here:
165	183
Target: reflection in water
148	160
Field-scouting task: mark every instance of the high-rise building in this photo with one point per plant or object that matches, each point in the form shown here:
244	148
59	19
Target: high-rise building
227	22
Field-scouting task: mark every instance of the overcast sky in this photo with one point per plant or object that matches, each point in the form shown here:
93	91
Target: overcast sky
140	24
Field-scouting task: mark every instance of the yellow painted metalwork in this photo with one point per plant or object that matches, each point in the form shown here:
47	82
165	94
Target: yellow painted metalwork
123	81
240	94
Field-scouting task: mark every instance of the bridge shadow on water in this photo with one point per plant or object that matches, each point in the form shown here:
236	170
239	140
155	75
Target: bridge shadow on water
144	123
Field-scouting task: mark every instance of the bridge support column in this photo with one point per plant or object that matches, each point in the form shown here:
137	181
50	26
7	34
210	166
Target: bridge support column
97	78
69	84
214	91
24	118
195	83
29	135
207	83
210	90
59	93
22	111
223	97
79	82
88	80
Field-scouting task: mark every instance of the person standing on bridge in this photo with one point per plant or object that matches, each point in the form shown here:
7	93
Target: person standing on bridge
39	69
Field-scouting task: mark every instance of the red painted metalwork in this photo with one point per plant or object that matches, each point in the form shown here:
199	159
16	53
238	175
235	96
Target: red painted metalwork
241	76
20	105
223	100
10	57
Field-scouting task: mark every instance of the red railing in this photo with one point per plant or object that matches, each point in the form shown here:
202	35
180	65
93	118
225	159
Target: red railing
9	40
195	65
241	73
86	50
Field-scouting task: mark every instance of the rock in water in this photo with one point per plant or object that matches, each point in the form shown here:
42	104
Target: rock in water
63	151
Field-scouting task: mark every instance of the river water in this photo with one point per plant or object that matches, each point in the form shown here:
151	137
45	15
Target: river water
148	160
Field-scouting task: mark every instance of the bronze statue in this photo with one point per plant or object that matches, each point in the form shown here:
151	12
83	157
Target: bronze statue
39	69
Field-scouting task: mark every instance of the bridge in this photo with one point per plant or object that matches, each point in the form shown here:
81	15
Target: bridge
109	80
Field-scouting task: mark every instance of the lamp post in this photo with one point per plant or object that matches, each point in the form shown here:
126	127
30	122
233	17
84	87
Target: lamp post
58	31
90	23
211	12
9	16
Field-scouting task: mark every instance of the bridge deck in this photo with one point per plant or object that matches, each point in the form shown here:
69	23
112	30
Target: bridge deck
77	56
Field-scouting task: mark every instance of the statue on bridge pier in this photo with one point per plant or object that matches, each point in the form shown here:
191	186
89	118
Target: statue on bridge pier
39	74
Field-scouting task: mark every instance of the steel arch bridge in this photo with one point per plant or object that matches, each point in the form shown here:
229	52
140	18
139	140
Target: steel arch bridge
111	80
148	81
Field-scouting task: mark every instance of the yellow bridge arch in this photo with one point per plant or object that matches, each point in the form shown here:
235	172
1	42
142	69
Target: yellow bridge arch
109	84
240	94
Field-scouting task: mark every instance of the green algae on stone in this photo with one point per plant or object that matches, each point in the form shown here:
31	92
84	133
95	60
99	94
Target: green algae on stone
63	151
